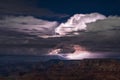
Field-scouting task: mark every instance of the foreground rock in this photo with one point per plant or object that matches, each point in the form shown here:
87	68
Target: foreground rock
87	69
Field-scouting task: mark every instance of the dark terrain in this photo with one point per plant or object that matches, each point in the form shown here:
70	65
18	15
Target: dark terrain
86	69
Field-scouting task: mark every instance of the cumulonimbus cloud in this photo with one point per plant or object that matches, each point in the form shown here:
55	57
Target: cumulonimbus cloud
78	22
101	34
100	31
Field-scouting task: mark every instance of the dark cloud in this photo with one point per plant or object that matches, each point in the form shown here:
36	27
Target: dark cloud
15	7
99	36
102	35
19	35
22	35
19	43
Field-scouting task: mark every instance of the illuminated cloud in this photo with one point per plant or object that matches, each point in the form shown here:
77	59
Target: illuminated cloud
78	22
29	25
79	52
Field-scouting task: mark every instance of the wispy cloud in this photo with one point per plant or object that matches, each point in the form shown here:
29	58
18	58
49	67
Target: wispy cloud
29	25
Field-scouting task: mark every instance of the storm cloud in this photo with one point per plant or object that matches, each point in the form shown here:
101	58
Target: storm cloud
24	35
21	35
99	36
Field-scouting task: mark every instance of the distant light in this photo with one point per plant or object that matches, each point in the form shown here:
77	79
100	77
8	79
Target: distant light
79	53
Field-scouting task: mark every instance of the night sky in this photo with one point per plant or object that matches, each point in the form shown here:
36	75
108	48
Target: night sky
59	8
35	27
106	7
